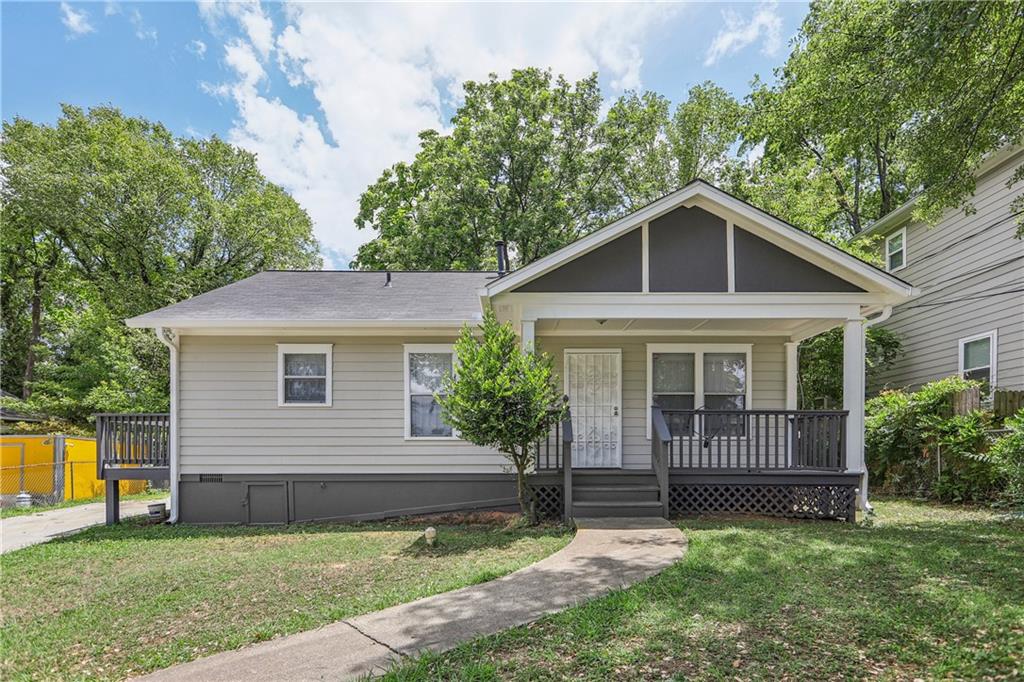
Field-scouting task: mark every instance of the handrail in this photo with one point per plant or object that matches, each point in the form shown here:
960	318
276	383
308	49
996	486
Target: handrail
567	465
132	440
661	441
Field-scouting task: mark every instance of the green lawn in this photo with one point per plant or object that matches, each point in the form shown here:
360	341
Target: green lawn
922	592
7	512
113	602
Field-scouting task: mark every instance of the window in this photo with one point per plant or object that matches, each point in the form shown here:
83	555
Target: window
896	250
687	376
425	369
304	375
978	358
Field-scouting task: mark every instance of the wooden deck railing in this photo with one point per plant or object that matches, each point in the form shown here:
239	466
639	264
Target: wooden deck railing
132	441
754	440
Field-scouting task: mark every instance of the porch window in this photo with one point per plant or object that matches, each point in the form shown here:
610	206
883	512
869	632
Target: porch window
425	369
978	358
304	375
896	250
692	376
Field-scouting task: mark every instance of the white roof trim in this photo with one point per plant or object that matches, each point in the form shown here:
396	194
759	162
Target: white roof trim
691	195
186	323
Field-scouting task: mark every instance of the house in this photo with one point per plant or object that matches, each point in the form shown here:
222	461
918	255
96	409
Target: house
969	319
310	395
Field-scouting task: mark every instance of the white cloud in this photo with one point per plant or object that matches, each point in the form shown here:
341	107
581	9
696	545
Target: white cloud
197	47
76	21
142	32
380	74
765	25
111	7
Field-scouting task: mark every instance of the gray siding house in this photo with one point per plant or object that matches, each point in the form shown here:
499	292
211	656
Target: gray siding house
298	396
969	318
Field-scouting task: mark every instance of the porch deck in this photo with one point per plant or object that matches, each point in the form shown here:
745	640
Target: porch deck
133	446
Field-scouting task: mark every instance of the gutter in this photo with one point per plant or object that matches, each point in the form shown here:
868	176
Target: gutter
885	315
170	339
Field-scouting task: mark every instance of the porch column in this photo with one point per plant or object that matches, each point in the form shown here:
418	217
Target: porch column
853	401
792	374
527	335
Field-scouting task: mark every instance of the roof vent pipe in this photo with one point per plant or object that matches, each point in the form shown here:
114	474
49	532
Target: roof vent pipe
502	258
387	278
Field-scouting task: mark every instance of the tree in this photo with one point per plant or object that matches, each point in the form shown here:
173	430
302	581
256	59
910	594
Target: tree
501	397
819	382
704	130
108	216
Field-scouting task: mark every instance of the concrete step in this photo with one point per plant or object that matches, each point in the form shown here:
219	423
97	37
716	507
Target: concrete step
615	493
621	509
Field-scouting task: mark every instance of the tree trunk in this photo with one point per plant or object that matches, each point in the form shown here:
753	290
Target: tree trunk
34	334
523	493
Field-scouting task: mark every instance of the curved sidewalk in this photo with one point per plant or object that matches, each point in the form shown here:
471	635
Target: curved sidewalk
605	555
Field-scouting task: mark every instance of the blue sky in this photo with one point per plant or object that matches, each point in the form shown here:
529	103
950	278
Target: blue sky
327	95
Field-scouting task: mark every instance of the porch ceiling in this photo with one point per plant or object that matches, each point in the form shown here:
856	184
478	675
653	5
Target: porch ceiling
788	327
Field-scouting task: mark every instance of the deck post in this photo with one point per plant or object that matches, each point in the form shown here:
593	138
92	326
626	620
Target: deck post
853	402
113	501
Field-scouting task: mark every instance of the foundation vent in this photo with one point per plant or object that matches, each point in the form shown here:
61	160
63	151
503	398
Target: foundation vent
211	478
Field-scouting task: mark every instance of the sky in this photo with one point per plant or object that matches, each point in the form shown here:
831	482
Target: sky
327	95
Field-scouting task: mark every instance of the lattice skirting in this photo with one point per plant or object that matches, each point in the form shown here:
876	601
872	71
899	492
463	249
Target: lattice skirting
548	501
794	501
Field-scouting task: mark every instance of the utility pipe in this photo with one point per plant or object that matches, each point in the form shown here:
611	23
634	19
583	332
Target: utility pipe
170	339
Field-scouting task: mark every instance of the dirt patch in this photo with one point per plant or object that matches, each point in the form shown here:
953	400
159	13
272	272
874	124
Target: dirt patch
466	518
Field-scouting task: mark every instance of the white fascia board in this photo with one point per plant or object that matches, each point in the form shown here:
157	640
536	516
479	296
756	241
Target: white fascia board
714	200
193	324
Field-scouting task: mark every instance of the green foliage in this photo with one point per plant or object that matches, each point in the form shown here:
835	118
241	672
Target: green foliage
915	445
108	216
501	397
820	384
1007	457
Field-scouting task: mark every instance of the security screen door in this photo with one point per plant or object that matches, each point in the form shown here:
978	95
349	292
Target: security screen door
593	382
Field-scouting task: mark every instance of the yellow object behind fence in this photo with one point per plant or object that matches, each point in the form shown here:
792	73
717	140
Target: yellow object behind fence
27	465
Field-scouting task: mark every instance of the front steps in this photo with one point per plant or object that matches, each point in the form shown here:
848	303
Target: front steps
615	493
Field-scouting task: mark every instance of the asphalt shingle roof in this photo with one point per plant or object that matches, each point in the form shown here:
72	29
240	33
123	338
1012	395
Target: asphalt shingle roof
333	295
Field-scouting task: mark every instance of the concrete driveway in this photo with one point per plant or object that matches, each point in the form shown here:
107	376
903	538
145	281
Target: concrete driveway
32	529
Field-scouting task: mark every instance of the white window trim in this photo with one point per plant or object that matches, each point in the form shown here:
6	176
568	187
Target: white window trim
902	232
993	354
422	348
698	350
294	348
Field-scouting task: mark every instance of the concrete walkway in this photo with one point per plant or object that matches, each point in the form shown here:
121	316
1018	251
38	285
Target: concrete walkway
32	529
605	555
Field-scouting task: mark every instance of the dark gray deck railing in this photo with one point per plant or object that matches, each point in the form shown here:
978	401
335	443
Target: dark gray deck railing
132	440
756	440
661	444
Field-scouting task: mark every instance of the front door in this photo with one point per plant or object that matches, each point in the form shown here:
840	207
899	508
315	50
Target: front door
593	382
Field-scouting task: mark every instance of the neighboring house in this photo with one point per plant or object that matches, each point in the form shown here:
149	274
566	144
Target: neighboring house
969	319
310	395
9	415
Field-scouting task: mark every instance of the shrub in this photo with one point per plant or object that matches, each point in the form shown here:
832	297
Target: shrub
1007	458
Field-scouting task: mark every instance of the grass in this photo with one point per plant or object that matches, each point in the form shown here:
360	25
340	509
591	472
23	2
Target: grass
8	512
113	602
921	591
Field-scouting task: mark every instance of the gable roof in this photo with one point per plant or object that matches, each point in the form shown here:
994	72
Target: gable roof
285	298
701	193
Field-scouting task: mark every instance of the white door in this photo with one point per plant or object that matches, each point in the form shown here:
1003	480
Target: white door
593	382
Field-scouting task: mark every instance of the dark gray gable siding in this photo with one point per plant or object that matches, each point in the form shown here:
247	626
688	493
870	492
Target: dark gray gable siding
615	266
762	266
687	252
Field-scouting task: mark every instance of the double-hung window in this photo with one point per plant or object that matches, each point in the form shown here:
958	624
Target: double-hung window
688	376
426	366
896	250
304	375
978	358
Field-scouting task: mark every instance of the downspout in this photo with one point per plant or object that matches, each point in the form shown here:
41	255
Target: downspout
169	339
881	317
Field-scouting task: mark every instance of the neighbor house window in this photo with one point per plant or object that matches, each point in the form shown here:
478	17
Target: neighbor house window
896	250
304	375
689	376
426	366
978	358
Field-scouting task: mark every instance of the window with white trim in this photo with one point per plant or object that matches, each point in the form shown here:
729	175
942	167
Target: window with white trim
426	366
896	250
688	376
304	374
978	358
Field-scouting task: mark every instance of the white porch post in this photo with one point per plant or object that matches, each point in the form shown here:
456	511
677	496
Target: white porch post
853	401
528	335
792	370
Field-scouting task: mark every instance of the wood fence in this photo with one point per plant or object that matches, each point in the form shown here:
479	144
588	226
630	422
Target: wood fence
1007	403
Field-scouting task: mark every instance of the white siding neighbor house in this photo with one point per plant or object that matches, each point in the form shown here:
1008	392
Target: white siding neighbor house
311	395
969	319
